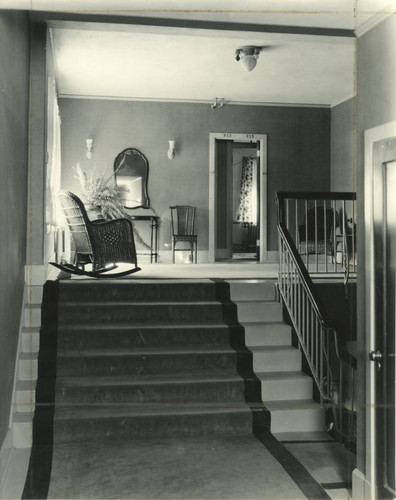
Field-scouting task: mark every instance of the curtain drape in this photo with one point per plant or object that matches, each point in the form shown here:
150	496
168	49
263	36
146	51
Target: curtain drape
247	212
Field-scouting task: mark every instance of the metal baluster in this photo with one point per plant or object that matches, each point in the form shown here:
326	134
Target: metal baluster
344	248
316	235
306	235
325	233
334	236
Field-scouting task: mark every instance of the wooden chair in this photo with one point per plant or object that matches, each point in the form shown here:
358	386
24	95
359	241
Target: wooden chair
182	224
101	242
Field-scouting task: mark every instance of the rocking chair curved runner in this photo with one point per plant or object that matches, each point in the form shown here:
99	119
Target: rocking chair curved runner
100	242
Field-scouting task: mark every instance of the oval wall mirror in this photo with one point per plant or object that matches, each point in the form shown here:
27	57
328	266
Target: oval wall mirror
131	175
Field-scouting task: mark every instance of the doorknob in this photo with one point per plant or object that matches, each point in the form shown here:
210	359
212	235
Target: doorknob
376	356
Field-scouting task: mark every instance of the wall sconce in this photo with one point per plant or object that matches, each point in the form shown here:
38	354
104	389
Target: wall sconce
89	150
218	103
171	150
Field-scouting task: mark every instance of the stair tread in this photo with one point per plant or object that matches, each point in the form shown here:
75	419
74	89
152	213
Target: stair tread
282	375
292	404
139	380
302	436
139	326
31	329
265	323
273	348
23	417
157	302
28	356
145	409
25	385
148	351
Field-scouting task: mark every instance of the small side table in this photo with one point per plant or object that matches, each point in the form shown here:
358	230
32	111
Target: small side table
154	223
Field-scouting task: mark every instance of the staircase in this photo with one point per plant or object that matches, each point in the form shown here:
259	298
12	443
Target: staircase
26	373
145	360
154	358
285	389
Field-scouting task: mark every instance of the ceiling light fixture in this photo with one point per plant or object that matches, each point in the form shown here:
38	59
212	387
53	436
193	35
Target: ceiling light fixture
248	57
218	103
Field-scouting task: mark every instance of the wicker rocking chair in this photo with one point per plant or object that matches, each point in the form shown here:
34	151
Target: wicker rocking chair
101	242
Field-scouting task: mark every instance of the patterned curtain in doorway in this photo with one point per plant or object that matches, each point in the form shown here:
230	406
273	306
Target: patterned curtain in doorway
247	212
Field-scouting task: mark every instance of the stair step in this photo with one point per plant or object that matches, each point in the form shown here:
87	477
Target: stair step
205	388
25	396
82	336
142	290
27	366
267	334
310	437
22	429
30	340
296	416
34	294
145	312
32	315
102	423
145	361
252	289
276	358
259	310
281	386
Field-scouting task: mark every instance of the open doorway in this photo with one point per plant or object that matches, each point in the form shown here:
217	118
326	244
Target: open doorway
224	204
245	189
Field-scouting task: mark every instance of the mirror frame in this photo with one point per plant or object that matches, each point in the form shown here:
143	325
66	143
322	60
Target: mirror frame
116	166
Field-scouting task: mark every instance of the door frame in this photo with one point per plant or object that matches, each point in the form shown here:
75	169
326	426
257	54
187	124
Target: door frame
371	136
262	155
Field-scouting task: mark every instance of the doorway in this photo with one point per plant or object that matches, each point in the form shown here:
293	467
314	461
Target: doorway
245	197
224	202
380	214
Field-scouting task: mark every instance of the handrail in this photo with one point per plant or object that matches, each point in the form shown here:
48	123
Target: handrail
316	334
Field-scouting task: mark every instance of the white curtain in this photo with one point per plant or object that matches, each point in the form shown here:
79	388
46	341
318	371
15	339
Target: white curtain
248	195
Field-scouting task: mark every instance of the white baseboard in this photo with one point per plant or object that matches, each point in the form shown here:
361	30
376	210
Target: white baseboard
361	488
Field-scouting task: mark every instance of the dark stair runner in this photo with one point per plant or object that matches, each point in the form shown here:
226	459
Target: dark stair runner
126	360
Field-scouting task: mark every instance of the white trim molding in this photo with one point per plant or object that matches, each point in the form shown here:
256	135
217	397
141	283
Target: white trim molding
248	138
370	137
376	18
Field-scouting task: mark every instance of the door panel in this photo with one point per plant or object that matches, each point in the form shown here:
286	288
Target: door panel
384	178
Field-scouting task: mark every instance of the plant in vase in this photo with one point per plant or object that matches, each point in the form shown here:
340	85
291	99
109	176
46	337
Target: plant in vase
101	197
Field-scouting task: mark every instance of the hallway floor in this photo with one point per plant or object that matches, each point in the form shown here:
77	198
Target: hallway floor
239	468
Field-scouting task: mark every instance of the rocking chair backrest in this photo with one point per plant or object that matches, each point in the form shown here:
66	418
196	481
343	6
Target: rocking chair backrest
77	219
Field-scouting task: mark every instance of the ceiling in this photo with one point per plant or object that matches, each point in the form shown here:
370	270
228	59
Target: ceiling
173	61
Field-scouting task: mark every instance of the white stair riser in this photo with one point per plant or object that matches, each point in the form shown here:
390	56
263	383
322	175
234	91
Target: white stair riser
27	369
22	434
240	290
276	361
284	389
298	420
30	341
34	294
25	400
267	335
259	311
32	316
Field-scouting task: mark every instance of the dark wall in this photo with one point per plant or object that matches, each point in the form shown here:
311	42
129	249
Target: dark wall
376	105
14	100
298	148
343	146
